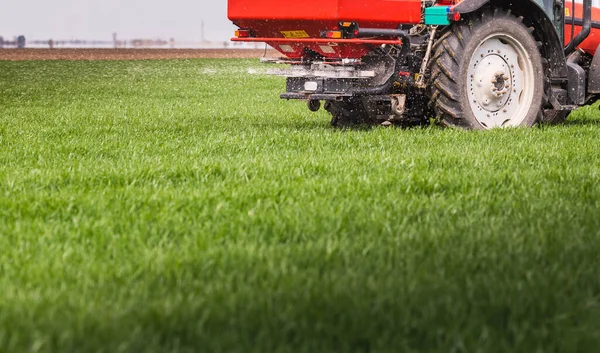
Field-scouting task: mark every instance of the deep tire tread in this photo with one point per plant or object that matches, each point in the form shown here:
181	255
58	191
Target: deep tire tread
449	50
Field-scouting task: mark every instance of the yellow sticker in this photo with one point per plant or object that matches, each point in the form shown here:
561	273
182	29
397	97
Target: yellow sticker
295	34
567	12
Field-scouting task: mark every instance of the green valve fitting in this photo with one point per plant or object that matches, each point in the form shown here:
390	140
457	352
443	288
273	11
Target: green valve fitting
437	16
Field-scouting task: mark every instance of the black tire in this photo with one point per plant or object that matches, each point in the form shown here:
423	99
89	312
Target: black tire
347	113
452	76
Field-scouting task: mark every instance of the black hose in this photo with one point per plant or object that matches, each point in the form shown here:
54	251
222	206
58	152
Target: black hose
374	91
572	20
585	31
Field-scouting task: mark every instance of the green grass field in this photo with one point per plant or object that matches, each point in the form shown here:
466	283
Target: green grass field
180	206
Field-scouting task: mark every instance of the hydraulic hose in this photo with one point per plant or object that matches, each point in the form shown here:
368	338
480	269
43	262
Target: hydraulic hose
572	20
374	91
585	31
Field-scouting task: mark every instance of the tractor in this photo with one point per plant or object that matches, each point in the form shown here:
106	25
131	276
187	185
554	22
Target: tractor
472	64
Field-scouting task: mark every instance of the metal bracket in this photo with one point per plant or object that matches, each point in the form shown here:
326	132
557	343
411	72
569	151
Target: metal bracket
398	103
421	84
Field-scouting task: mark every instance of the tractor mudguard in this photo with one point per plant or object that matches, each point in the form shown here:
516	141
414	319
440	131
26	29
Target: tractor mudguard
594	74
468	6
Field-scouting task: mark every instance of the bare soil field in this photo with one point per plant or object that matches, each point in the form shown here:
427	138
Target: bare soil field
129	54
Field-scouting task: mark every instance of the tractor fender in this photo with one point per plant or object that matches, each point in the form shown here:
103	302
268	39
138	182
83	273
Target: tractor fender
468	6
533	14
594	74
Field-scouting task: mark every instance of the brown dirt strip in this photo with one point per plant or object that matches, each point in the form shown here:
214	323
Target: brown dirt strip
130	54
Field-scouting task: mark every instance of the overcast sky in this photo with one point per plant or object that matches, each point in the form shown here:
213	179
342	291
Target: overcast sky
98	19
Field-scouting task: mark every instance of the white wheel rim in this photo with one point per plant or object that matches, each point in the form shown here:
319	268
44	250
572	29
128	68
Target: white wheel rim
501	82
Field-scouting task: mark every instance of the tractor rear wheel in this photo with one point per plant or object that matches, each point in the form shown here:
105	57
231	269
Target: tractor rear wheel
487	73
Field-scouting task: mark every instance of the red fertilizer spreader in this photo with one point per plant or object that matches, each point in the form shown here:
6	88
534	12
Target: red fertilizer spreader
474	64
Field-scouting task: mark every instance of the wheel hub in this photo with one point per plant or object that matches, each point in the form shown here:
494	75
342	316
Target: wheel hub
497	79
490	83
